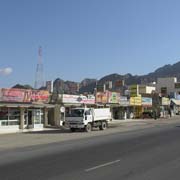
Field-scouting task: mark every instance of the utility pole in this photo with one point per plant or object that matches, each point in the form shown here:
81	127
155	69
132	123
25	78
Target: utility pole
39	79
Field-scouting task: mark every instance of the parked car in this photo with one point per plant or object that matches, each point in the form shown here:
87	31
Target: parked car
147	115
150	114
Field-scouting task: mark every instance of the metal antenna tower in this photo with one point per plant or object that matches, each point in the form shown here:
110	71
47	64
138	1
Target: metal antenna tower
39	81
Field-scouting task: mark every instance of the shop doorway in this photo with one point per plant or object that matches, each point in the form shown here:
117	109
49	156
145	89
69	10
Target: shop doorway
30	119
34	118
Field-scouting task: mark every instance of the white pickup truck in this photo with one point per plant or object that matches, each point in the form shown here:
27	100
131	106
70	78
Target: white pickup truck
86	118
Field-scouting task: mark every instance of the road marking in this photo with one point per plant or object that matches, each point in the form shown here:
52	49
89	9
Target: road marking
102	165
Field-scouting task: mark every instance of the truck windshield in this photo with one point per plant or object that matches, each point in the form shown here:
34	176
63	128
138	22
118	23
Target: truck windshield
76	113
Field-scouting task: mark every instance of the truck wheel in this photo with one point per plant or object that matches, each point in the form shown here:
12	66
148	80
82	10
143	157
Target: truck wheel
73	129
88	127
103	126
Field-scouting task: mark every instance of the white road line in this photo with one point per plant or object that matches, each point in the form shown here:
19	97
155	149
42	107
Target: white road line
102	165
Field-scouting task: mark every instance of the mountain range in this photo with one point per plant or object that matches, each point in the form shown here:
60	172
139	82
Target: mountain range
88	85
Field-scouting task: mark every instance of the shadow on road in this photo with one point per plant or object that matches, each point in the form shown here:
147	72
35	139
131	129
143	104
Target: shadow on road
64	130
56	131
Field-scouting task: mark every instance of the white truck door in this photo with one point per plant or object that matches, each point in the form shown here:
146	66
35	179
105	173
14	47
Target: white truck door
88	116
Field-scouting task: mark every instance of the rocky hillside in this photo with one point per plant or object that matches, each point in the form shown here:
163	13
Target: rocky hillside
88	85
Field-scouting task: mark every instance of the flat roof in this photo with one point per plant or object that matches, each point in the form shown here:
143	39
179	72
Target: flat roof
26	105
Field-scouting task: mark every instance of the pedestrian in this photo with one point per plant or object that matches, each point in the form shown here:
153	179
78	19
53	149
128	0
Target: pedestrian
155	114
169	112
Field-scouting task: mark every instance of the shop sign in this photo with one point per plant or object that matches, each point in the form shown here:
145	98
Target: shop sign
136	101
23	95
146	101
12	95
102	97
165	101
124	101
67	98
75	99
134	90
89	99
113	97
38	96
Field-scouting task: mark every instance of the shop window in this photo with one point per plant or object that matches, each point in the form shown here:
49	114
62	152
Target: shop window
14	116
9	116
38	116
3	116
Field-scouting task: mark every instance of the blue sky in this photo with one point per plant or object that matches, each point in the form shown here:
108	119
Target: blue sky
86	38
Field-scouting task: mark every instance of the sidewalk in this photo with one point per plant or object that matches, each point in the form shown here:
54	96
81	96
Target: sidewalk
57	135
14	131
113	122
144	120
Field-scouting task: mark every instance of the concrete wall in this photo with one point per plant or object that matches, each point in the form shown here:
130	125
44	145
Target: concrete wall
168	82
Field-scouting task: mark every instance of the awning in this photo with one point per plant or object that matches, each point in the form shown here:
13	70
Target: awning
26	105
176	102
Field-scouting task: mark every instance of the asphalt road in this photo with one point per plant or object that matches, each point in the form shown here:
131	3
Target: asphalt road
146	154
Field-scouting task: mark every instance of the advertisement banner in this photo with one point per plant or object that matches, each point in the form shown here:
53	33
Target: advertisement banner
102	97
23	95
90	99
134	90
124	101
113	97
75	99
146	101
136	101
38	96
12	95
165	101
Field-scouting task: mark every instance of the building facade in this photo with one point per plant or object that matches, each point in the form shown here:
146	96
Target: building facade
23	109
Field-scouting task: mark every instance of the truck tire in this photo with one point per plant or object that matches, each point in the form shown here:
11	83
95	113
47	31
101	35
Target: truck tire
103	125
88	127
73	129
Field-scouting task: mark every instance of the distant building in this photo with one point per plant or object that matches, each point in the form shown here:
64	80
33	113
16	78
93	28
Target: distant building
49	86
136	90
143	89
168	87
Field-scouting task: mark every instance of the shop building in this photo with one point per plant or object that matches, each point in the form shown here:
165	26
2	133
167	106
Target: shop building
168	87
65	102
123	110
23	109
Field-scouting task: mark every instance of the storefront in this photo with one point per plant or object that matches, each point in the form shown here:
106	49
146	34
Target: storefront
23	109
110	99
69	101
165	107
23	116
147	104
121	110
136	106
